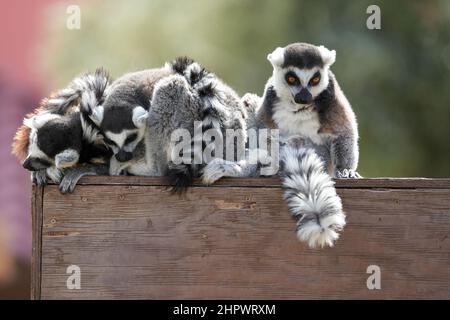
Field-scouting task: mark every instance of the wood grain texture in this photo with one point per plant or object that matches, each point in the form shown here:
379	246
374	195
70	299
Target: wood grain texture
138	241
36	218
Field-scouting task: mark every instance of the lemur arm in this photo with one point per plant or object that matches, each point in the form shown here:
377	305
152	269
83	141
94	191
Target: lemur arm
257	163
73	175
43	176
344	156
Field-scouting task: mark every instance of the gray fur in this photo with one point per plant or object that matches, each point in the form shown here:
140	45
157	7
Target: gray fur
175	96
175	105
343	156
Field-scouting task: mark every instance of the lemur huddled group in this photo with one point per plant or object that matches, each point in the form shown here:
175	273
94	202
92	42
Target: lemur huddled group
97	126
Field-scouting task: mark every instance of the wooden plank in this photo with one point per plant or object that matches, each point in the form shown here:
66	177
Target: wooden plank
36	209
270	182
239	242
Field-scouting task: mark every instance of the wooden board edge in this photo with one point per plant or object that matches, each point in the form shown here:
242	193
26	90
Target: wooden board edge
275	182
36	253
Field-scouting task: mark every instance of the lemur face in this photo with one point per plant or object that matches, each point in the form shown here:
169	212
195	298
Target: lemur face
54	141
123	128
300	73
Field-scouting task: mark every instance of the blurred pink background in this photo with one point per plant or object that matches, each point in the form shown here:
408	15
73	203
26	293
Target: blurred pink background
21	87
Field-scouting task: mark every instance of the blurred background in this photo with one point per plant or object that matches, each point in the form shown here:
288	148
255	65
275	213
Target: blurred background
397	78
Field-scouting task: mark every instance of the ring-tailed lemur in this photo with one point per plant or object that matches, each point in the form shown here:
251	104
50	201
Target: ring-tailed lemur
123	120
303	98
143	109
318	132
57	142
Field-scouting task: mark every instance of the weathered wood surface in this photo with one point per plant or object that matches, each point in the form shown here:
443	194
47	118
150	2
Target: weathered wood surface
36	207
132	239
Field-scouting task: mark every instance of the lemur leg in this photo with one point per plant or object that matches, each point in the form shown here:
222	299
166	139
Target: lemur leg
73	175
250	167
219	168
39	177
344	156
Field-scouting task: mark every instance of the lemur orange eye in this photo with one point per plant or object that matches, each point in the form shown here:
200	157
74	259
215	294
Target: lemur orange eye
291	79
315	81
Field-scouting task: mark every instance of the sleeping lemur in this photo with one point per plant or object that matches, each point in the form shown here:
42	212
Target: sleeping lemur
318	134
143	109
57	142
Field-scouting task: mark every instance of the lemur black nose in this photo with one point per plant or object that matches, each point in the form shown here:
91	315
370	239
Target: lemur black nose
27	164
303	97
123	156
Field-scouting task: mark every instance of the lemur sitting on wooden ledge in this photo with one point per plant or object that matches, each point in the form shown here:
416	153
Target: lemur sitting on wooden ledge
318	134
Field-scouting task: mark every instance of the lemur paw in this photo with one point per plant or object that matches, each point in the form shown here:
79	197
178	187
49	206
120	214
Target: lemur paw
219	168
39	177
262	159
70	180
347	174
68	184
251	101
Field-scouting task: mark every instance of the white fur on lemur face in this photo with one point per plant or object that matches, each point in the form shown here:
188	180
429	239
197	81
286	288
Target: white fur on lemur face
36	158
122	138
58	153
125	140
300	86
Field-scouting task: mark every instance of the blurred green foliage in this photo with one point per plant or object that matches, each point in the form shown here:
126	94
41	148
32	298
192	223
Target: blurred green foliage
397	78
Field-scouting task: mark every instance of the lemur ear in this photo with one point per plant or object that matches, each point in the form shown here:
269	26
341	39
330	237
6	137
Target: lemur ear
67	158
97	115
140	116
37	121
276	58
328	56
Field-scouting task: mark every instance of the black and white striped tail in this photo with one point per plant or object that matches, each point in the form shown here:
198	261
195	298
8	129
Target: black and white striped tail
96	83
92	89
311	197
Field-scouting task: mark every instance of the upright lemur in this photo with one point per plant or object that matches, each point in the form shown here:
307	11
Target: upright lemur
318	134
304	98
